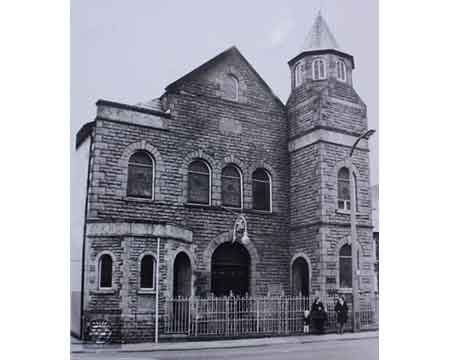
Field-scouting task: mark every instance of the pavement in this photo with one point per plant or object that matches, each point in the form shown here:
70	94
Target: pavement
79	347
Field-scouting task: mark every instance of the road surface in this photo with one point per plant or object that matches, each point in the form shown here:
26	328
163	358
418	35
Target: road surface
339	349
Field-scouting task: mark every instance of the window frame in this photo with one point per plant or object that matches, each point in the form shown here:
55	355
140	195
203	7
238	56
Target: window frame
270	190
241	186
100	270
340	268
141	258
153	165
347	202
189	172
341	69
320	76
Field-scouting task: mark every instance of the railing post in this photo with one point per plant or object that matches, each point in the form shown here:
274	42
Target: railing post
227	316
257	315
189	316
286	319
196	317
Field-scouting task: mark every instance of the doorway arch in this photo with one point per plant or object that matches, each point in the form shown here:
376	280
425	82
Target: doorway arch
182	275
230	270
300	277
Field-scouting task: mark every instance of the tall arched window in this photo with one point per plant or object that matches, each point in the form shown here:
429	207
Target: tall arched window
319	70
105	271
147	272
262	189
298	74
345	266
231	87
231	187
344	189
341	71
140	175
199	183
344	202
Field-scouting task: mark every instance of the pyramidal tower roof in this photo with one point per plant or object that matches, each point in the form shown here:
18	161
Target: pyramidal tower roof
320	36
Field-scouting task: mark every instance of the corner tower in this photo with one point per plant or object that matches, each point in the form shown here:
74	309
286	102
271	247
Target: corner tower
325	118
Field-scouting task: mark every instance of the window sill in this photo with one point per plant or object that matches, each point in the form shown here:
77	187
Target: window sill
146	292
346	212
198	206
262	212
345	290
103	291
138	199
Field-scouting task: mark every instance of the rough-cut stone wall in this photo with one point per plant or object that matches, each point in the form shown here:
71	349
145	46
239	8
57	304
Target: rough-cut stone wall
317	228
301	145
250	133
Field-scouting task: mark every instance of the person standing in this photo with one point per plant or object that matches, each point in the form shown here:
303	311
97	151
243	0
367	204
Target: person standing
341	310
318	316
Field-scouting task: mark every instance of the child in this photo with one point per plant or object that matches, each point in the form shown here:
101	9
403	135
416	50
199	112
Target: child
306	322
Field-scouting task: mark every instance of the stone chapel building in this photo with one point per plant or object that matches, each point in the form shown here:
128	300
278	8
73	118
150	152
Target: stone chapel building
218	143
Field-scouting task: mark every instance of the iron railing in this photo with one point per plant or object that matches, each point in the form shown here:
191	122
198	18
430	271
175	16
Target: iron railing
247	316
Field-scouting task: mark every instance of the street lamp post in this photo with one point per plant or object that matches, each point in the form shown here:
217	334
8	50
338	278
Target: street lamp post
354	242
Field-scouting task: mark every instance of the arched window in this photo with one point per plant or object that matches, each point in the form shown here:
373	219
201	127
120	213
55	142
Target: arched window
298	74
105	271
231	187
199	183
262	188
140	175
319	70
231	87
147	272
341	71
344	202
345	266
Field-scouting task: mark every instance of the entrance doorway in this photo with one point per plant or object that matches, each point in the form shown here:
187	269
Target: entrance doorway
300	277
182	275
230	270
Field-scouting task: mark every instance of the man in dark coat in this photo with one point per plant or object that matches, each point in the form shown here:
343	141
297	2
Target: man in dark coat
318	316
341	310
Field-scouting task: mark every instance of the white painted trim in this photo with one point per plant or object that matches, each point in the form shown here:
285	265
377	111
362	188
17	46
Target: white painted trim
241	174
321	76
98	269
210	181
326	135
270	189
152	159
147	253
342	242
308	262
172	270
344	71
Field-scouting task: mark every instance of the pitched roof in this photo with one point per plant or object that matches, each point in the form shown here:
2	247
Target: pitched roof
214	60
320	36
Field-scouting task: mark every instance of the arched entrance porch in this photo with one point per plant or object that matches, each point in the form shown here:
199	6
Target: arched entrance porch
230	270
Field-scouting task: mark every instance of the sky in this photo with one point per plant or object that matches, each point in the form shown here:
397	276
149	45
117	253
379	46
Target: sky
129	51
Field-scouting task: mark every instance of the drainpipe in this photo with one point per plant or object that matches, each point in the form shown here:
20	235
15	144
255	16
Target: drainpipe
157	292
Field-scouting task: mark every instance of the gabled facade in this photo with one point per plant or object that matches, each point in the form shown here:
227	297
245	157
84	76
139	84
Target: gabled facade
218	143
